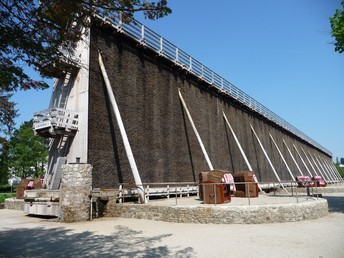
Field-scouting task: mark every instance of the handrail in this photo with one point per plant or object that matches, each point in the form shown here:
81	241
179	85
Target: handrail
163	47
186	188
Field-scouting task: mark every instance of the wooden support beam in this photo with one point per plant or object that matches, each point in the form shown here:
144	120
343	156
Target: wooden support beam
292	156
304	163
267	157
329	179
309	161
125	139
237	142
284	161
240	148
319	171
195	131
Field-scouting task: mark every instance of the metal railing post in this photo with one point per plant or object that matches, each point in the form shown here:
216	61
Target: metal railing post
120	193
142	33
120	22
214	185
248	192
177	55
91	215
168	191
161	46
147	193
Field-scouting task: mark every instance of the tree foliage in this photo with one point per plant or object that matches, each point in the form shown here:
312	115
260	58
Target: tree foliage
27	153
337	26
37	33
340	170
4	169
340	161
7	115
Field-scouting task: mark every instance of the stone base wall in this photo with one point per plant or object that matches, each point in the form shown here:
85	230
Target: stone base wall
14	204
330	189
254	214
76	186
319	190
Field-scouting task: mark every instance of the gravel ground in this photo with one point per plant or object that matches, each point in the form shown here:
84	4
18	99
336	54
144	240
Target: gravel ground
24	236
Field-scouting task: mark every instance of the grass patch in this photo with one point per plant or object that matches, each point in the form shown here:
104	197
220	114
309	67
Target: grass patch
4	196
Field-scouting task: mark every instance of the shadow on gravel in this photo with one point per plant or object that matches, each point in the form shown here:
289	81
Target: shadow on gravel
61	242
335	203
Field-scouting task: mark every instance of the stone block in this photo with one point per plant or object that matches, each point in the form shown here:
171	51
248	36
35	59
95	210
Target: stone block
76	187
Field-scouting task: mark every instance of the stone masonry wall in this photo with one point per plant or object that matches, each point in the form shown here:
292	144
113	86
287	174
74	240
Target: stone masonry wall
254	214
75	192
14	204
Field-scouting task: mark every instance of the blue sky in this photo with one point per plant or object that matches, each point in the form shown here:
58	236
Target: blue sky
278	52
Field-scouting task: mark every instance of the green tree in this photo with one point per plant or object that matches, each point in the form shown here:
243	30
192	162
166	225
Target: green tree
27	153
4	169
337	26
37	33
340	170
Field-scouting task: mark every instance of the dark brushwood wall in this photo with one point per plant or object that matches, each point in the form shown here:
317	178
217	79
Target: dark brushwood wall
163	142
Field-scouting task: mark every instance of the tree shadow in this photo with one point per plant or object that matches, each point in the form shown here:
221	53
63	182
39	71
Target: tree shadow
335	203
61	242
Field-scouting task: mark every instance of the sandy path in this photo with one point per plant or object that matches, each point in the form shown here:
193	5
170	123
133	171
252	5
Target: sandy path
23	236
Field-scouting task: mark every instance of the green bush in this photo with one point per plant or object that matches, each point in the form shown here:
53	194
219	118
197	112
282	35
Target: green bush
340	170
5	188
4	196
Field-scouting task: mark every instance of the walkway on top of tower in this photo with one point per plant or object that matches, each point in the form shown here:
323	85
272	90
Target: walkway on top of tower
150	39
